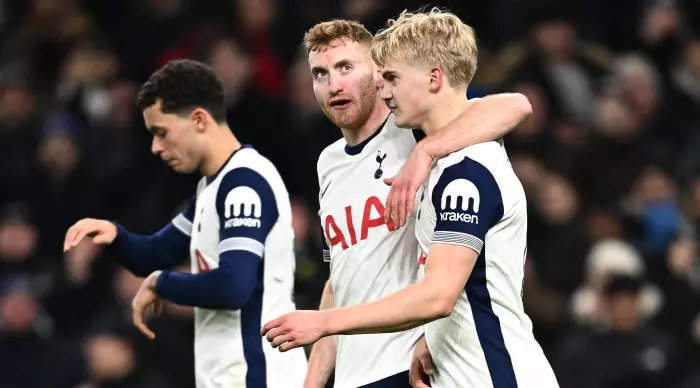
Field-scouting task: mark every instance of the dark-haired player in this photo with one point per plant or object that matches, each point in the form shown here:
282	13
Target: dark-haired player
237	231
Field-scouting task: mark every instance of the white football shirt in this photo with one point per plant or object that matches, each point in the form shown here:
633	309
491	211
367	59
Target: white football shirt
473	198
368	258
245	206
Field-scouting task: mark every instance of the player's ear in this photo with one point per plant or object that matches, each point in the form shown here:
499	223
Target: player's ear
377	75
199	118
436	79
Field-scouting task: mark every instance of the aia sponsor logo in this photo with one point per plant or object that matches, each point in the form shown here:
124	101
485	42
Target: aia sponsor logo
372	217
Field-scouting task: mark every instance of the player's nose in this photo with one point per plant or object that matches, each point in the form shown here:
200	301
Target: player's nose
335	85
385	92
156	146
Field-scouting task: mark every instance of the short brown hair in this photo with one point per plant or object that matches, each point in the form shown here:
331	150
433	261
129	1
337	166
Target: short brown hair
433	38
322	34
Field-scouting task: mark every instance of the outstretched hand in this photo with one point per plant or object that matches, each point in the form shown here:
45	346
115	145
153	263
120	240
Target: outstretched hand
102	232
294	330
400	202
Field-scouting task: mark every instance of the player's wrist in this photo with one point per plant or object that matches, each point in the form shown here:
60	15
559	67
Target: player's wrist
328	322
425	147
119	231
152	280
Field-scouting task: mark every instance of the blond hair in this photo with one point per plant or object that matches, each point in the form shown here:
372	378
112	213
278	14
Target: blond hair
321	35
433	38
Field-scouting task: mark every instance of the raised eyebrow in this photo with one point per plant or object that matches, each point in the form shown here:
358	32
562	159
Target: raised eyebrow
337	65
341	63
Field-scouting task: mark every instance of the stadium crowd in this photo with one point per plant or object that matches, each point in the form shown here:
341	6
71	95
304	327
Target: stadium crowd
610	161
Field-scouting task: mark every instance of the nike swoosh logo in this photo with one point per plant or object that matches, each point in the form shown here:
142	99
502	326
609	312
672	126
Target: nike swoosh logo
326	189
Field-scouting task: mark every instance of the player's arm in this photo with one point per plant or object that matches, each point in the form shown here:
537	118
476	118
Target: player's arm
485	119
143	254
323	353
241	247
454	255
454	252
447	269
140	254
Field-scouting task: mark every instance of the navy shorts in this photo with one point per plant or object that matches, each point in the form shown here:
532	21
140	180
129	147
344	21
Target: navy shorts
399	380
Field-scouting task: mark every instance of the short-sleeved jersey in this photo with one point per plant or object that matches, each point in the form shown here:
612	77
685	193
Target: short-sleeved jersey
368	258
246	207
473	198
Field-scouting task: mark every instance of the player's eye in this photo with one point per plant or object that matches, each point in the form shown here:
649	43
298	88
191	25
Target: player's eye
319	74
346	68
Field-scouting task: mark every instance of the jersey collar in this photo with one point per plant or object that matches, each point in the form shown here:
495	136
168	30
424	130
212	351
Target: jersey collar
210	179
356	149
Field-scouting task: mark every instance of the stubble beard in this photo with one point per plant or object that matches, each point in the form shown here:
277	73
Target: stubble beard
360	111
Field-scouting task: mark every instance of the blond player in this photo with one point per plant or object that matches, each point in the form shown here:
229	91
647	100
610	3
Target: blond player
370	258
471	229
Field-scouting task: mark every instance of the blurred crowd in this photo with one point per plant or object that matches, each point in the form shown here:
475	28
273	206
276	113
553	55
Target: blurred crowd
610	161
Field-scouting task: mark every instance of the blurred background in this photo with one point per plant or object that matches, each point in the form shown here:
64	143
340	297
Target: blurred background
610	161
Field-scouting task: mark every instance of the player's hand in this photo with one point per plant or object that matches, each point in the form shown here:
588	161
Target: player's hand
404	185
146	296
102	232
295	329
421	365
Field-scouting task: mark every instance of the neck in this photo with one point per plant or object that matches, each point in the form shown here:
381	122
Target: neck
356	136
221	146
447	107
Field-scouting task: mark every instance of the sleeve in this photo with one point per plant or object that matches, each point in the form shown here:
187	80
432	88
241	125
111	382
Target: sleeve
143	254
247	210
183	221
467	202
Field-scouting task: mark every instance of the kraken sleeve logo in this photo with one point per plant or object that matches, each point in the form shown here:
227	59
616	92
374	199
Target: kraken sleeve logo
242	207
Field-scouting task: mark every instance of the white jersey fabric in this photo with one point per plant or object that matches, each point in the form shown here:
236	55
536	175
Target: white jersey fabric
473	198
246	207
368	258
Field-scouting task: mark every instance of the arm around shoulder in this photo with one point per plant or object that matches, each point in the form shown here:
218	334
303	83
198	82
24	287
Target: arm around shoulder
484	119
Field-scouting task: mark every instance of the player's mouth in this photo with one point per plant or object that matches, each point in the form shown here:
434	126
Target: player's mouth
340	103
